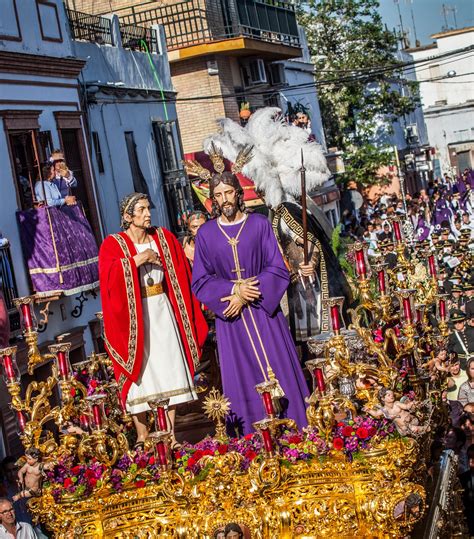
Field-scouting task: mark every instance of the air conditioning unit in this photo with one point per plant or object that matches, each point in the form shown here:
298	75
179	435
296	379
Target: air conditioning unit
253	72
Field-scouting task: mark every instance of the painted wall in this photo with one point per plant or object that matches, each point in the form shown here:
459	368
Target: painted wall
39	26
109	79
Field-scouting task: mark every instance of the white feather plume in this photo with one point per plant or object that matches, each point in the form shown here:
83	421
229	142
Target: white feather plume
275	167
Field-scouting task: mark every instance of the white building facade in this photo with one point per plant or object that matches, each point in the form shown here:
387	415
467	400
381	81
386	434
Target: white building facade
447	95
70	84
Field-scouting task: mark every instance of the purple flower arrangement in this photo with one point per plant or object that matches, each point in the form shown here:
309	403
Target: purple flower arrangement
71	480
74	481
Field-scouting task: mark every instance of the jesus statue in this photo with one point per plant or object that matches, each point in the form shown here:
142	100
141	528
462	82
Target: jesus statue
239	274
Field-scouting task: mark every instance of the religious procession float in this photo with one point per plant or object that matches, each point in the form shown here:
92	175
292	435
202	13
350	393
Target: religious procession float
359	469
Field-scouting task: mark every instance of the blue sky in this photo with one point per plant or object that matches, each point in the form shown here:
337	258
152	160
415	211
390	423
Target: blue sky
428	15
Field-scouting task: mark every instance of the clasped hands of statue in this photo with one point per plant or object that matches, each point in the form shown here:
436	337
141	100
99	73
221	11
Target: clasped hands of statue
243	293
148	256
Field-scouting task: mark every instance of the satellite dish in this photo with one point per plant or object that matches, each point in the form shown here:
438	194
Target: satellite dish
357	199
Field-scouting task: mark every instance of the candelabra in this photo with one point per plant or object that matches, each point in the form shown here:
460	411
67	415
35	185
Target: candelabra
29	325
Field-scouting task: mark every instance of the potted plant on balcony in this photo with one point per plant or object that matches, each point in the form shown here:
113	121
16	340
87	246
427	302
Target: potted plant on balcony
245	112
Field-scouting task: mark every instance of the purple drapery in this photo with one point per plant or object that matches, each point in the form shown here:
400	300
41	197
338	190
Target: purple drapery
60	249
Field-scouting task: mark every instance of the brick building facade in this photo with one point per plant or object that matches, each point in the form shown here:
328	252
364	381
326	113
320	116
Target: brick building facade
221	49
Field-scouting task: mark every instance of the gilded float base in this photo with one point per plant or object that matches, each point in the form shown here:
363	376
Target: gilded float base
373	496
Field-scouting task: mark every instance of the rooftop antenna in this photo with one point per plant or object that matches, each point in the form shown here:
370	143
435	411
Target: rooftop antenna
445	10
397	2
417	42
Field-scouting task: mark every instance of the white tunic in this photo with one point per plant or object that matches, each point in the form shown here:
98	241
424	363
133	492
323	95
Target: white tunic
165	372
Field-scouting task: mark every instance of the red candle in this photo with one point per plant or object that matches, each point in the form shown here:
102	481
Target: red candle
381	279
27	318
407	310
162	456
97	415
336	321
84	421
268	403
267	440
8	366
442	309
397	231
161	416
432	265
63	364
319	377
21	420
418	316
360	263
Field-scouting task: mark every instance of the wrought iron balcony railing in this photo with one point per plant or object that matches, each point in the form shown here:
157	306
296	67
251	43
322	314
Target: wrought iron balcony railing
195	22
93	28
136	37
8	287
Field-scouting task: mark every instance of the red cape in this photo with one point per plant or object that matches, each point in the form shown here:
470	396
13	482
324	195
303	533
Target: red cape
122	306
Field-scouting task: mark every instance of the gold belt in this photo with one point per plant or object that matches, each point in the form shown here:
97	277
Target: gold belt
154	290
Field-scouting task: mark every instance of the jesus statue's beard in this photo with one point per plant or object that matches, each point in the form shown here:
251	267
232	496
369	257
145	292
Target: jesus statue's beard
229	210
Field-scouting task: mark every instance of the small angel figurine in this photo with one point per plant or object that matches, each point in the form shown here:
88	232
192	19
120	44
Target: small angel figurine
399	412
30	476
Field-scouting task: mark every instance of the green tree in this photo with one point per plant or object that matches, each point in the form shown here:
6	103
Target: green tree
359	80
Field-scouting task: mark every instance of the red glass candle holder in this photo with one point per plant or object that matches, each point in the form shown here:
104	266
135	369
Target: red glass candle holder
11	374
380	268
334	306
21	420
268	403
161	448
267	440
162	454
265	389
84	422
159	407
96	407
406	305
27	314
397	230
442	307
61	352
361	266
315	367
432	266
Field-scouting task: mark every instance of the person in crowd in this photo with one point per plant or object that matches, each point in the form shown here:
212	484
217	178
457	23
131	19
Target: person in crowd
461	339
156	346
466	390
195	220
10	527
46	190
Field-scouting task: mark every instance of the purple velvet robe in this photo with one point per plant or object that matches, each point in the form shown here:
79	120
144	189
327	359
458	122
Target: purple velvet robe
260	257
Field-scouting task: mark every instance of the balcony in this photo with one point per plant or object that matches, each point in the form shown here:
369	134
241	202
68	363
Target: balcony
195	27
8	287
97	29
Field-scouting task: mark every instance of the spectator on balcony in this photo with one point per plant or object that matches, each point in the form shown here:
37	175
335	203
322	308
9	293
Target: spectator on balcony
63	177
47	190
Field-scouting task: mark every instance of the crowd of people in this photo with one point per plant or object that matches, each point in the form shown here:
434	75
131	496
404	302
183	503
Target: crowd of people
441	219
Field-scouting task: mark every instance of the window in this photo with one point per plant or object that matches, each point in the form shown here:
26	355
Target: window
176	186
26	164
98	152
139	182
